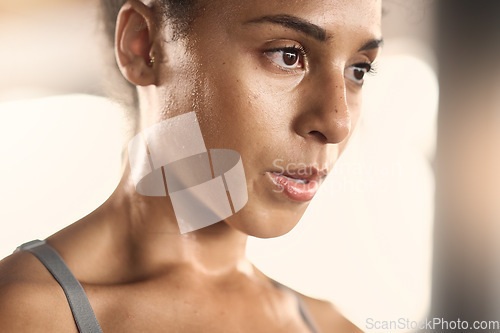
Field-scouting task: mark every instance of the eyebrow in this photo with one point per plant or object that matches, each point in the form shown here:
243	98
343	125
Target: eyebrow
310	29
294	23
372	44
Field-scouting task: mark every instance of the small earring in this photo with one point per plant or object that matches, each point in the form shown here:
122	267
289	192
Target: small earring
151	61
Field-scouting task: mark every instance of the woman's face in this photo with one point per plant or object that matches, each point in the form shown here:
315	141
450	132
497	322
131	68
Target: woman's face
277	81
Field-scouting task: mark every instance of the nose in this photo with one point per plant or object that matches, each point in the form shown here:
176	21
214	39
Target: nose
324	115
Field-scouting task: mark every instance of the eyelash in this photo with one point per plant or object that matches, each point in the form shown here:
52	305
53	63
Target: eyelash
299	49
371	68
303	53
294	48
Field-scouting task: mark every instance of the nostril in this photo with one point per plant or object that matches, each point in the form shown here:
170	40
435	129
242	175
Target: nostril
318	136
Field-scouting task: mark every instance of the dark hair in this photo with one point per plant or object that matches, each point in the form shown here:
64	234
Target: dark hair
178	13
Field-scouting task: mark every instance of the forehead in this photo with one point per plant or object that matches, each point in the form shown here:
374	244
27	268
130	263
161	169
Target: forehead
361	16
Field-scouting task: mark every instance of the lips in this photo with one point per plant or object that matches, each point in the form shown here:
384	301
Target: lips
298	185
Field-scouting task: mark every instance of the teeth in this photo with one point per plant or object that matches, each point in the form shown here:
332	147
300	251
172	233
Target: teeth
297	180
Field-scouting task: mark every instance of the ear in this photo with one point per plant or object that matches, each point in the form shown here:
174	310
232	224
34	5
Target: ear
134	43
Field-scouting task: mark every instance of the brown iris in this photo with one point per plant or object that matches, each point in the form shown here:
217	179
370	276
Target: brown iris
359	74
290	58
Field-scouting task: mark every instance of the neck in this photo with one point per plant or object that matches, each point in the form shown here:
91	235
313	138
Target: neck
148	230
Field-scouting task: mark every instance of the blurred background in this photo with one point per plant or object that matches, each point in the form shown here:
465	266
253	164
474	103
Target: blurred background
408	224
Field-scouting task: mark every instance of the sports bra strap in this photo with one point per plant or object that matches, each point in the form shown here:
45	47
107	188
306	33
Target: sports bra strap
83	314
304	313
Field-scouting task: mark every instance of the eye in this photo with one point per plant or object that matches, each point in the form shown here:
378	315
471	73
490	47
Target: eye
357	72
287	58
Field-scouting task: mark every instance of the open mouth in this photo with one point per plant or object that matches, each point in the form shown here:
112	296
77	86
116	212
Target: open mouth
296	186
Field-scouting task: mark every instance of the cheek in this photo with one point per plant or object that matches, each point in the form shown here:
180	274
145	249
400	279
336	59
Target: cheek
245	106
245	115
354	104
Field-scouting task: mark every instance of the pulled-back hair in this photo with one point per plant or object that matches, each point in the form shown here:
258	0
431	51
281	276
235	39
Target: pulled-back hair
179	13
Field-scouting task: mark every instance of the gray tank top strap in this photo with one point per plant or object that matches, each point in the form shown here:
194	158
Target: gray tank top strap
306	315
304	312
83	314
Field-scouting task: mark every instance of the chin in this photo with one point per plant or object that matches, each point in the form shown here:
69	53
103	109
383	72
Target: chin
265	223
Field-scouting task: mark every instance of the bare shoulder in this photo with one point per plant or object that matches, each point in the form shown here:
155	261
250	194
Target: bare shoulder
327	317
30	298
